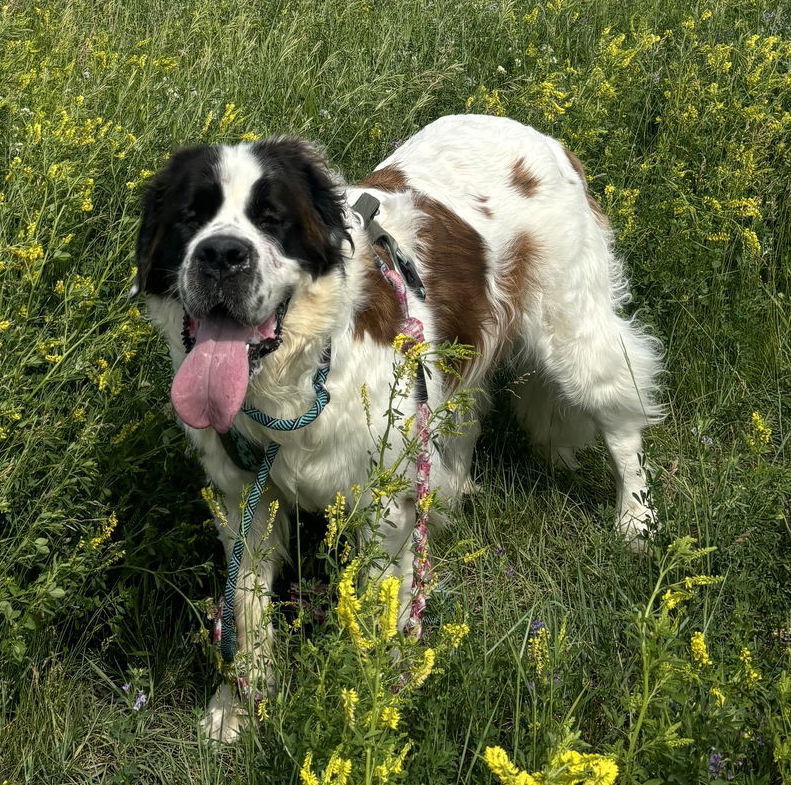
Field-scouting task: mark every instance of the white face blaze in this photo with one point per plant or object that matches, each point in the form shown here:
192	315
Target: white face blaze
275	274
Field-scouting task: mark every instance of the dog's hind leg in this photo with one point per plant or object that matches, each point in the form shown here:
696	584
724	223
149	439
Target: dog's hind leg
594	369
557	430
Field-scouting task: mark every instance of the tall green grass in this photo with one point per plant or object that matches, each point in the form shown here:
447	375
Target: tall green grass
681	116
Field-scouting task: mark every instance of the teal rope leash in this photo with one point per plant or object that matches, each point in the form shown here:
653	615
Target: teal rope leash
228	617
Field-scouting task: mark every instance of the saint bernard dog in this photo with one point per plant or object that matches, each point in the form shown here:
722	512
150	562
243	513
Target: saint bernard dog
253	259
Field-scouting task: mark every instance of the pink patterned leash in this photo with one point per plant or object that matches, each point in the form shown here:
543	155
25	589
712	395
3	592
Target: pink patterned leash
421	564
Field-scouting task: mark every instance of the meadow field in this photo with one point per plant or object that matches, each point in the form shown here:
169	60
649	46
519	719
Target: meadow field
553	654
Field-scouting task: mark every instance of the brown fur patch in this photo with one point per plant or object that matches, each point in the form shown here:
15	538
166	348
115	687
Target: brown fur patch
481	206
518	276
524	180
593	204
576	164
380	317
388	178
454	260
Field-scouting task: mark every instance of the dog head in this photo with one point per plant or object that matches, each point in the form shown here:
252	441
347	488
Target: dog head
233	233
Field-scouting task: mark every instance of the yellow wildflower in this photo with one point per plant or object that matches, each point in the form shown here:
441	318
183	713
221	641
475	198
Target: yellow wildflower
349	606
393	764
760	435
718	695
106	532
468	558
496	758
349	700
388	597
365	396
700	652
423	669
229	116
538	646
671	599
751	242
586	768
260	710
334	513
752	676
338	771
456	633
701	580
306	773
249	136
389	717
214	505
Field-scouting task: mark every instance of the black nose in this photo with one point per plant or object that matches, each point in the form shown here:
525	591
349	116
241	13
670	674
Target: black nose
222	256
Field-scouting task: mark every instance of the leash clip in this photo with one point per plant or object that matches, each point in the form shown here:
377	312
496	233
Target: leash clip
367	206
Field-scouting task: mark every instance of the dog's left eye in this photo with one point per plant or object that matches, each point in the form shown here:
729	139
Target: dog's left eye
270	219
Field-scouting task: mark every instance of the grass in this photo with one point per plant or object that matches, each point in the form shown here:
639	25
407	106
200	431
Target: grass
680	113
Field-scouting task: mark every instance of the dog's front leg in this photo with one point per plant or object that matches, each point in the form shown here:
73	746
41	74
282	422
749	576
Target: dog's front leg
395	539
228	710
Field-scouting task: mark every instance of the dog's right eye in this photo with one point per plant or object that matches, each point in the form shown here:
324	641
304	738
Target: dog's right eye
269	218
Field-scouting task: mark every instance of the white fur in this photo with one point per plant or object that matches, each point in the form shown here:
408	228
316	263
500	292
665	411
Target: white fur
586	369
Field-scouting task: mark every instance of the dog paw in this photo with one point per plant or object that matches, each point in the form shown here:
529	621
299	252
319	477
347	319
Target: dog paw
470	487
225	716
565	457
637	523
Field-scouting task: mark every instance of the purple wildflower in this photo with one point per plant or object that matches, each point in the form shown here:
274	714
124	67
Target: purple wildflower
716	765
509	573
707	440
499	551
536	625
142	699
126	687
693	430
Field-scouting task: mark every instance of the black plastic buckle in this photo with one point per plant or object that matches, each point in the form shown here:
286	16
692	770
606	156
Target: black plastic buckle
367	207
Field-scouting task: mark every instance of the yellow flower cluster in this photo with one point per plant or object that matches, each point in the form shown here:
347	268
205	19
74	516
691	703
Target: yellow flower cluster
472	556
538	647
423	669
335	514
349	606
388	597
751	675
349	701
486	102
568	767
718	695
104	534
389	717
214	504
760	434
456	633
393	764
337	771
699	650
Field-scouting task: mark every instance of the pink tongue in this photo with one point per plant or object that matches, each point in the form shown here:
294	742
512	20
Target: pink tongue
209	387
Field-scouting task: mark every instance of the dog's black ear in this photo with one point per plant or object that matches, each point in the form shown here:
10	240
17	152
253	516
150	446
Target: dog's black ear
301	174
151	230
166	223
